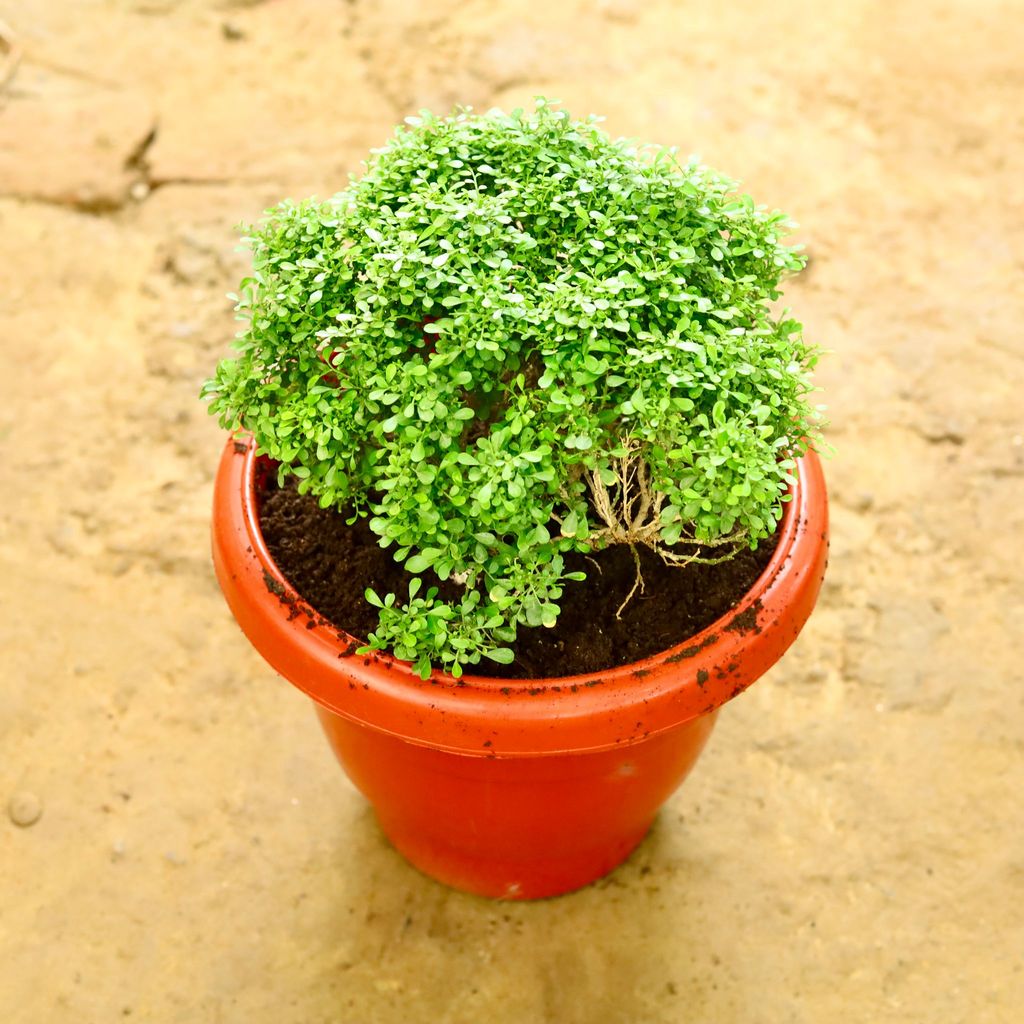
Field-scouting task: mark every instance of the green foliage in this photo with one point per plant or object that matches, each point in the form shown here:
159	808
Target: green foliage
514	337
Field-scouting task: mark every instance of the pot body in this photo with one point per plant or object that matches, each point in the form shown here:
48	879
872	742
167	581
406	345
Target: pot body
515	828
514	789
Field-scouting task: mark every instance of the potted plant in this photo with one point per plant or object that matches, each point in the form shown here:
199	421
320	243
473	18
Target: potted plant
512	358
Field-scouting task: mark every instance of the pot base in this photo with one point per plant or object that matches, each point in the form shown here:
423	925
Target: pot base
510	879
515	828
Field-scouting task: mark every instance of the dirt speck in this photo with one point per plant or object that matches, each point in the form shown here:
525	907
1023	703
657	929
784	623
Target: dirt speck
274	586
746	621
692	650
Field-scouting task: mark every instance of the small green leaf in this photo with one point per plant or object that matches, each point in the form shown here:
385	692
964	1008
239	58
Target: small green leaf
417	563
502	655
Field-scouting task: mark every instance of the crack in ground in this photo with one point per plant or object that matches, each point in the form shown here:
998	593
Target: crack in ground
106	206
136	159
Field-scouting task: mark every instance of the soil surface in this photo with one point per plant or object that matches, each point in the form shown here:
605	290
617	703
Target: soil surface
605	620
177	843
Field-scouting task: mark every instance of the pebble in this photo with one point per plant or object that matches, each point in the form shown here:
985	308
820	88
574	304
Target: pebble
945	432
119	566
24	808
63	538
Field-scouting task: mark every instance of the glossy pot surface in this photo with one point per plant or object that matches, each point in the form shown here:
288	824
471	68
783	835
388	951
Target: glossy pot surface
515	788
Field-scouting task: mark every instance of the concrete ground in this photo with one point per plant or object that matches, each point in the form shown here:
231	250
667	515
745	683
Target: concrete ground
850	847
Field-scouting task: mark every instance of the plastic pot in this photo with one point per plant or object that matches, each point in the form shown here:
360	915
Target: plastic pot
515	788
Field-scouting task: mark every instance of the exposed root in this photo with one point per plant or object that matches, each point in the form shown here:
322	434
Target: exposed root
670	557
638	583
630	510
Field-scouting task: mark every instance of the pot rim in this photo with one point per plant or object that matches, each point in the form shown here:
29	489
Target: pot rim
489	716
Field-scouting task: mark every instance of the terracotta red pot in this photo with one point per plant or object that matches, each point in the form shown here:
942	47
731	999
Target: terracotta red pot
512	788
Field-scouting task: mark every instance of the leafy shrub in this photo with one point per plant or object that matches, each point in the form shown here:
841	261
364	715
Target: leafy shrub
514	337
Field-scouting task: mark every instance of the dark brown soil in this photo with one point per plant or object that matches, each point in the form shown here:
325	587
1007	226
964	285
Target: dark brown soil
331	564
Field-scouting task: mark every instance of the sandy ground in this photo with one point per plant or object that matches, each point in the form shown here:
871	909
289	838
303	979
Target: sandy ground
850	847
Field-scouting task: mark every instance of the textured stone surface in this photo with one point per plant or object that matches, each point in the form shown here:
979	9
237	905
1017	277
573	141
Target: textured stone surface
849	847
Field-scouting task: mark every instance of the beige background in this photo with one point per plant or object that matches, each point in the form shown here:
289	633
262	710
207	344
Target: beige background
850	847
